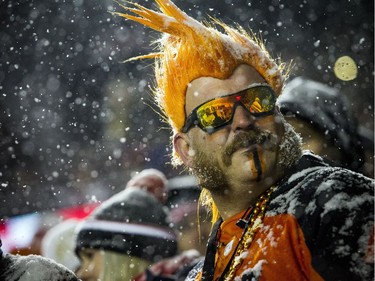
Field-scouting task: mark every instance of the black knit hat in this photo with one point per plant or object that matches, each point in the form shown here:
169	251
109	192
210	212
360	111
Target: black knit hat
131	222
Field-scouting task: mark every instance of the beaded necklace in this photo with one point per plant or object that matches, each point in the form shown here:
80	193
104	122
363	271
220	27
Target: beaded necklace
252	225
250	222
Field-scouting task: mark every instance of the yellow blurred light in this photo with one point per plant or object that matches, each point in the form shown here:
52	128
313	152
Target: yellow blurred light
345	68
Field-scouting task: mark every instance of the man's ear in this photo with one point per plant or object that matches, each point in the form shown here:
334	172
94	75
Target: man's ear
181	143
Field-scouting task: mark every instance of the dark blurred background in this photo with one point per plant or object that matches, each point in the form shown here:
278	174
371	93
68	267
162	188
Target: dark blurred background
76	122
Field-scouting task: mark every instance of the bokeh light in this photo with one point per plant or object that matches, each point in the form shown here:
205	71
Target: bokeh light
345	68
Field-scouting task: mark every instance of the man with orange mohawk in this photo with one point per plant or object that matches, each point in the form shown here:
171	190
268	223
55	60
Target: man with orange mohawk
279	213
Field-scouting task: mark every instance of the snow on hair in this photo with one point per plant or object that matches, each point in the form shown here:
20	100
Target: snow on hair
212	52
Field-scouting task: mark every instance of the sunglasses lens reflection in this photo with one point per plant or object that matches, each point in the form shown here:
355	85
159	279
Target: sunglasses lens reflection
218	112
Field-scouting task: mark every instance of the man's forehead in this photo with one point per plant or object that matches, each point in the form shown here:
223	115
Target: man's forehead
206	88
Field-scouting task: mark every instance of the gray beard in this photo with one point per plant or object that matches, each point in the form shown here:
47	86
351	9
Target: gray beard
212	177
290	148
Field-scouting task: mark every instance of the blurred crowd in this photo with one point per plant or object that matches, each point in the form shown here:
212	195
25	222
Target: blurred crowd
152	219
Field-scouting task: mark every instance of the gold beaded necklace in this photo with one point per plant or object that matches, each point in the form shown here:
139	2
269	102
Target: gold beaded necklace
255	222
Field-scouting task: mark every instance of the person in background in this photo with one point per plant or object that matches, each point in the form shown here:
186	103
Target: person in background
32	268
192	227
59	243
322	116
279	213
123	236
182	202
190	220
151	180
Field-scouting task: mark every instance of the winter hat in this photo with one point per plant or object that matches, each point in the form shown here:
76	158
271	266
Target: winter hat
327	110
151	180
131	222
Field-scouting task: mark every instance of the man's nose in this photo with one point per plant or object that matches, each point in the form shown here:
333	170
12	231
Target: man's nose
242	119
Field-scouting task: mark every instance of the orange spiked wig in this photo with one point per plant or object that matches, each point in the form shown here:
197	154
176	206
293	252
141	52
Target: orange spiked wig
190	49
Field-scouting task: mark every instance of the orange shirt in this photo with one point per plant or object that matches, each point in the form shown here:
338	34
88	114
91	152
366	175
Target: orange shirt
277	252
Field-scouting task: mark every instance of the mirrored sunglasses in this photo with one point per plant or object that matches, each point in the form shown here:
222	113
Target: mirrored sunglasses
212	115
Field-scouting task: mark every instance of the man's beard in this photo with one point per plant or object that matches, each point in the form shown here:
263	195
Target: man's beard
212	176
290	148
208	171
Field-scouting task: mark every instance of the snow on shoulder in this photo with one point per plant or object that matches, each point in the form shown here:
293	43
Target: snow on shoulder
33	268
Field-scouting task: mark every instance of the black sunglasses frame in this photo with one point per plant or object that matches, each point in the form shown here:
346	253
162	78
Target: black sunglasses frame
193	120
